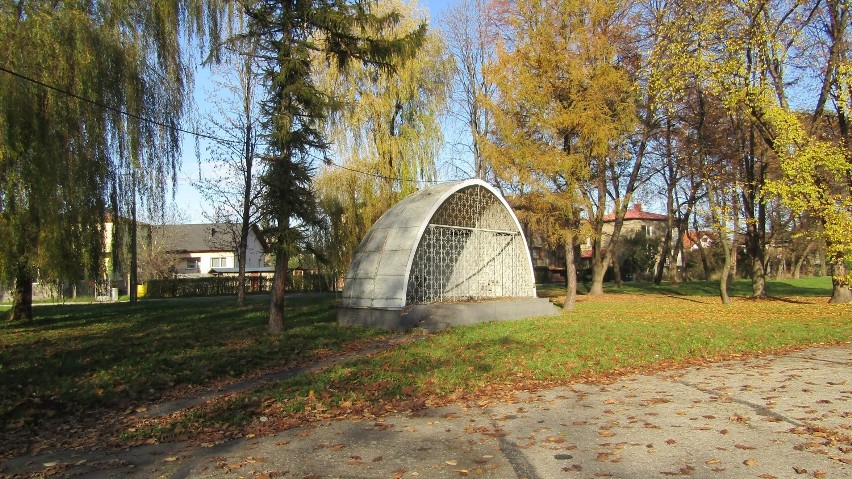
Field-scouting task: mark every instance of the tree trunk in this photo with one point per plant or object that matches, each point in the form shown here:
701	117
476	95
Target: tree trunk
729	251
677	272
279	286
758	271
723	277
664	254
22	305
571	276
241	264
799	260
794	260
704	263
840	290
616	273
734	250
598	270
671	181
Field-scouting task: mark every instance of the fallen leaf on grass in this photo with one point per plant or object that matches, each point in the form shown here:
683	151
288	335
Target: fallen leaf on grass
767	476
670	441
800	470
819	474
451	463
713	461
744	447
750	462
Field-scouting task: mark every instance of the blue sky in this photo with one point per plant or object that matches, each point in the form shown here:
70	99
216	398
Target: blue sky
189	206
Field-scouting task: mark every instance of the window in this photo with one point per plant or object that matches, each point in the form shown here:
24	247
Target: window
648	230
191	264
219	262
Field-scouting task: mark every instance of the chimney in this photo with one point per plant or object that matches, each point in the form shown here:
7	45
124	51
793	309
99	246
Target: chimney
637	206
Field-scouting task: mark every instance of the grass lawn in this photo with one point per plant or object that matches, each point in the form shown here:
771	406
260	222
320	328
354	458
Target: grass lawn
76	357
73	357
809	287
612	334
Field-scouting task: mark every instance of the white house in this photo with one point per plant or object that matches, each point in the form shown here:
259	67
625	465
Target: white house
185	250
196	249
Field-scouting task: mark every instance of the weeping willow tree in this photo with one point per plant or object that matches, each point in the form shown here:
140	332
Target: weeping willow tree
386	136
91	94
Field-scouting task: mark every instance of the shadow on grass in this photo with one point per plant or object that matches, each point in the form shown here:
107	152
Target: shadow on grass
74	357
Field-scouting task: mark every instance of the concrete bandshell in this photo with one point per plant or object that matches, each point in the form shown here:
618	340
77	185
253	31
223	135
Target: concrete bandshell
379	278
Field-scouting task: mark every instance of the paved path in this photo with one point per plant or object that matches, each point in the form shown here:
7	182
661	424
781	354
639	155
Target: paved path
784	416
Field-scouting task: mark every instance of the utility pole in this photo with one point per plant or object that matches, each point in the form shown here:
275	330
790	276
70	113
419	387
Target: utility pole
133	227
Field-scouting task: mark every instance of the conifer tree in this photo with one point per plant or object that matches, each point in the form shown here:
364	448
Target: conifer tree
291	35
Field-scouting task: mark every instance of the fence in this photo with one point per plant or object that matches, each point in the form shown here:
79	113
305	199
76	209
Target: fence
227	286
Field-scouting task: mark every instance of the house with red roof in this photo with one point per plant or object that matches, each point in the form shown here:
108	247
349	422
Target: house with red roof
635	220
549	264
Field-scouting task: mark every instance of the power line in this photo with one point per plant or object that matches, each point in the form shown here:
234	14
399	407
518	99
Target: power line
113	109
380	176
193	133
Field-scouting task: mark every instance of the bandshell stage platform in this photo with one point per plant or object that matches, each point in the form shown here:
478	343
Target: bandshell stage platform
447	255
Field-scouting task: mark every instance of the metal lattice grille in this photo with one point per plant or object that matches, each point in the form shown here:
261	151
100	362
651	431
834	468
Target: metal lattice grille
470	250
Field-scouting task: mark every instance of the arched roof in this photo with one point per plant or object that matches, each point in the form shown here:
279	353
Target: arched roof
379	274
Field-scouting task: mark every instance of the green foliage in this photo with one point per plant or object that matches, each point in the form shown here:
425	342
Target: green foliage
386	135
64	161
637	254
815	179
291	37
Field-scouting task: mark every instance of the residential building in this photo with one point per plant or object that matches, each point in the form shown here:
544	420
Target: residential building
185	250
549	264
199	249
